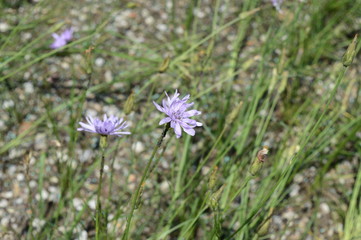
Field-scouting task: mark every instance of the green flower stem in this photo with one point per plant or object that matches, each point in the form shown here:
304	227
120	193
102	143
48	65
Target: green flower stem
136	196
99	221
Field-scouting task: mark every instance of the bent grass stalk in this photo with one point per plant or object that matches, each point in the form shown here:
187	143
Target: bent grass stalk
136	196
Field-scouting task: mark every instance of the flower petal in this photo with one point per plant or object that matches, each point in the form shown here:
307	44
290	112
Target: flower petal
87	126
120	133
165	120
186	97
190	131
191	113
158	107
178	130
55	36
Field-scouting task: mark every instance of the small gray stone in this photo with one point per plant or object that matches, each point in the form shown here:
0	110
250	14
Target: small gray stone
138	147
40	141
28	87
4	27
3	203
99	62
325	209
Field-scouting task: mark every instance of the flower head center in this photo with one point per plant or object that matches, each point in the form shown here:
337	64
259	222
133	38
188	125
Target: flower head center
177	114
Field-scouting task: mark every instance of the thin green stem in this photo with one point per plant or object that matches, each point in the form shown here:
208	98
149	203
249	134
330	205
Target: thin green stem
136	196
99	221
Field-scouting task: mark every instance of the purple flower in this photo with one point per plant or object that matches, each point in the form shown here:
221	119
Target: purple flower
277	4
178	116
62	39
109	126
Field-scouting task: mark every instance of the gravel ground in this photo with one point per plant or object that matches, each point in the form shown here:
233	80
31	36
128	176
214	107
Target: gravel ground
49	83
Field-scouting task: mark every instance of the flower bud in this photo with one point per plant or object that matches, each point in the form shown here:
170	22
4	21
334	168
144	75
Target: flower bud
258	162
350	53
27	162
214	198
234	114
164	66
282	61
263	229
244	15
88	60
283	83
213	178
129	103
273	80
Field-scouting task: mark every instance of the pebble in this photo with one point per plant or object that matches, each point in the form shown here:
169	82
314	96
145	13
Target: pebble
27	75
91	112
162	27
78	204
19	201
65	65
149	20
298	178
358	134
108	76
62	229
99	62
54	180
205	170
198	13
26	36
33	184
11	170
8	104
44	194
28	87
40	141
53	189
85	155
83	235
111	110
325	209
20	177
120	22
7	194
92	204
15	153
5	221
3	203
4	27
164	187
289	214
138	147
132	178
38	223
2	125
179	30
295	188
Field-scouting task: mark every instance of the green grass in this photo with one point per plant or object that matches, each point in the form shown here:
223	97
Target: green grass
285	69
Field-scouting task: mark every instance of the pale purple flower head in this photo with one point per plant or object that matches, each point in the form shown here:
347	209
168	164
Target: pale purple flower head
277	4
177	114
109	126
62	39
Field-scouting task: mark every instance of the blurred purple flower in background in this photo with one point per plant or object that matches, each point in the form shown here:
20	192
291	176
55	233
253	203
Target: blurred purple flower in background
109	126
178	117
62	39
277	4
